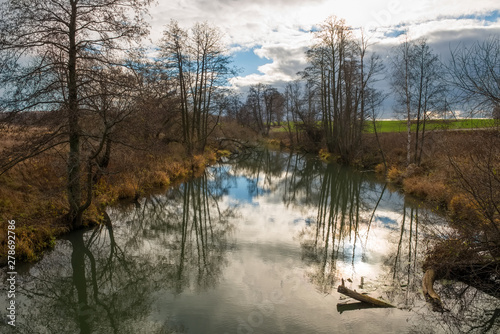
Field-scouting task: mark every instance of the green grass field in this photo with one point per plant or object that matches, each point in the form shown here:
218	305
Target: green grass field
400	126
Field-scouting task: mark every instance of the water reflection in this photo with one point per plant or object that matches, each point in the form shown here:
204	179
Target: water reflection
213	256
469	311
104	281
90	285
336	242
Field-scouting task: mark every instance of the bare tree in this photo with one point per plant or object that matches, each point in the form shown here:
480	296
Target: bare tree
49	51
475	73
374	100
417	82
301	110
293	107
196	58
255	105
341	76
401	85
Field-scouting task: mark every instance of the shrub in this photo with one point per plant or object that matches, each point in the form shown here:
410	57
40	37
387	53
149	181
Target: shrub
380	169
324	155
127	189
394	175
462	208
426	188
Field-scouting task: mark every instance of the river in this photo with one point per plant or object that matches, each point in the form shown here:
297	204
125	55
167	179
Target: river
257	244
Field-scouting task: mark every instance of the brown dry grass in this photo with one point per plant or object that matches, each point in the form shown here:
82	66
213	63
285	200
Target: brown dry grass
33	193
434	180
427	188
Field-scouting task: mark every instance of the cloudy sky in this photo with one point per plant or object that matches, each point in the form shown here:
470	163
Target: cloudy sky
268	38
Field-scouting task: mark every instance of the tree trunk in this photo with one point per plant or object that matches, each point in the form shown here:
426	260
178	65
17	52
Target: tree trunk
74	186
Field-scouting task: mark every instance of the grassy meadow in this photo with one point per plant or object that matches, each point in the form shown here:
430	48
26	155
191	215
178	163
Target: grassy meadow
441	124
396	126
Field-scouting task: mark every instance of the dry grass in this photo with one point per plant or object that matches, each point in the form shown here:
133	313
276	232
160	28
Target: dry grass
395	174
33	193
428	189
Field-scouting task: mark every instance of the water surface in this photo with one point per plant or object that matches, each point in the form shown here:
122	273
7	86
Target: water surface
258	244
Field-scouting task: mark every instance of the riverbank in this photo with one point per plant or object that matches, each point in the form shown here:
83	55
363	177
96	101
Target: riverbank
435	180
33	193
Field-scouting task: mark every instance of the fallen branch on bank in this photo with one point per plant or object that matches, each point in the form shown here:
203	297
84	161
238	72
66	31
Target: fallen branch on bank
362	298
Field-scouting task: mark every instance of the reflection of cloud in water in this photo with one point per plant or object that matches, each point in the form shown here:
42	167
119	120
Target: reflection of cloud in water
272	229
271	239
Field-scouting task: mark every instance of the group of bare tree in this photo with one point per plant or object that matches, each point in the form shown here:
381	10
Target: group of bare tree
62	55
417	82
331	102
263	108
335	96
197	60
79	64
342	77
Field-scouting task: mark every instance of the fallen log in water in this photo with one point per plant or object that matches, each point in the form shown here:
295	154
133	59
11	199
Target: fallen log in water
362	298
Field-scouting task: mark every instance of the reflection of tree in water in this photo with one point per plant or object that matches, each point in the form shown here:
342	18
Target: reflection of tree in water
337	195
90	285
186	229
335	232
405	272
298	175
203	238
262	170
467	309
341	231
104	281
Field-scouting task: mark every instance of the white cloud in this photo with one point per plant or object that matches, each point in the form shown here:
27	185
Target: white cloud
278	30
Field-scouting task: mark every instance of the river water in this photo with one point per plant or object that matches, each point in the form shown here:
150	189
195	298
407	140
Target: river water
258	244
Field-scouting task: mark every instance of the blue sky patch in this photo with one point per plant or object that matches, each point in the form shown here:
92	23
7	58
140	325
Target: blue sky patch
249	62
488	17
394	33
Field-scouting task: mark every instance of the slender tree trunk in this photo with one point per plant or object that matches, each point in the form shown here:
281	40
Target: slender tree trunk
419	109
408	106
423	136
379	145
74	172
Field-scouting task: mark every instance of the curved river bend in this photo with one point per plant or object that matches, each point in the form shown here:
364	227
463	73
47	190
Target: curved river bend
258	244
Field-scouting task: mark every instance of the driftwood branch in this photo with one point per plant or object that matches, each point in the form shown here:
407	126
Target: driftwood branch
428	290
362	298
